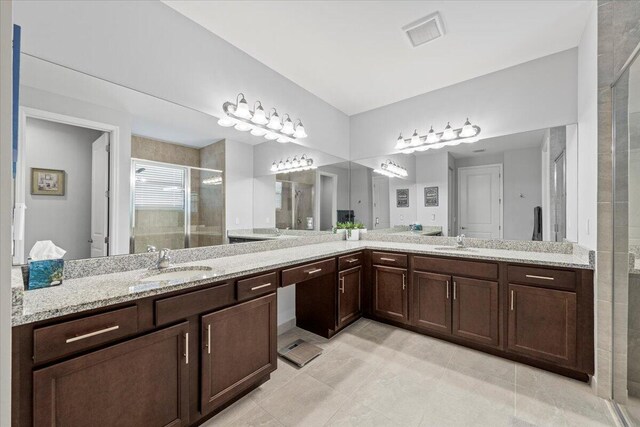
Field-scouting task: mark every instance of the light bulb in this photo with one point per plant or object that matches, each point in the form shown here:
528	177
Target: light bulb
243	126
287	164
271	136
274	121
280	165
242	109
300	133
295	162
400	142
274	167
467	130
226	122
448	133
287	127
415	138
258	131
432	136
259	117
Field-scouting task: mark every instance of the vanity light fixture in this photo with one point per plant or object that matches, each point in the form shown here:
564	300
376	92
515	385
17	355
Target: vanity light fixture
295	165
392	170
468	133
243	119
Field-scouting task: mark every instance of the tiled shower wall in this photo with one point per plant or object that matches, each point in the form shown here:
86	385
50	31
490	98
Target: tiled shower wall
618	35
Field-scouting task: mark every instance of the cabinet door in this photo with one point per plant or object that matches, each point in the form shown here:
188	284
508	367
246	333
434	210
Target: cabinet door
475	310
349	283
542	323
139	382
390	293
238	349
431	302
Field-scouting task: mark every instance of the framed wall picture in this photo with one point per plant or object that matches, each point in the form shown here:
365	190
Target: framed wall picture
47	182
402	197
430	196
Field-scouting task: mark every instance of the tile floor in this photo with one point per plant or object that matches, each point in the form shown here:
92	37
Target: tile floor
373	374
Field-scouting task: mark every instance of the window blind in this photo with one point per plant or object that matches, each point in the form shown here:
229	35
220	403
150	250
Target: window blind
159	187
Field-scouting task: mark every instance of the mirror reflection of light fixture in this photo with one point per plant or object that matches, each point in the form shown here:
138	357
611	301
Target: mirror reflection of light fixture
295	165
468	133
392	170
215	180
241	118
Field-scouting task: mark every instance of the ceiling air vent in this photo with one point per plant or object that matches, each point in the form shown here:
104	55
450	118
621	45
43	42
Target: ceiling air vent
425	29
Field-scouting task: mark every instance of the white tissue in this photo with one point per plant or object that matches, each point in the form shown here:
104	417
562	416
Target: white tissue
45	249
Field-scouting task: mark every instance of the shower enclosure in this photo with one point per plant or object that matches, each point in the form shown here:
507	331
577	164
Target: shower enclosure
295	196
626	240
174	206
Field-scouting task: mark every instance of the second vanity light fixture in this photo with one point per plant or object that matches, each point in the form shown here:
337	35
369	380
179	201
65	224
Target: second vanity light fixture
295	165
468	133
392	170
271	127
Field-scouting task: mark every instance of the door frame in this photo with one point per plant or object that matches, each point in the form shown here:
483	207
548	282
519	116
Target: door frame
374	178
501	191
334	197
21	175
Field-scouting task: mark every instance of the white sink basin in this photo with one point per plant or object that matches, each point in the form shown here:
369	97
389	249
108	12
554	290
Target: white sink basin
177	273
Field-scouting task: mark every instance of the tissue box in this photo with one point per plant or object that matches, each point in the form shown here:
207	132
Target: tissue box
45	273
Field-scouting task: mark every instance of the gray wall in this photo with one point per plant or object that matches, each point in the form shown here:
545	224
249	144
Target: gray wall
65	220
522	175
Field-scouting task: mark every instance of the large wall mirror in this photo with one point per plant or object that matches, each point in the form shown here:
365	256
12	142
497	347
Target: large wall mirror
103	169
514	187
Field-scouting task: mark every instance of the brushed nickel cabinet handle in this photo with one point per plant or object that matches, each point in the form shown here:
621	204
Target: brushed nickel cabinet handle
513	298
533	276
92	334
404	281
447	289
260	286
388	259
186	348
352	260
209	339
342	285
455	286
313	271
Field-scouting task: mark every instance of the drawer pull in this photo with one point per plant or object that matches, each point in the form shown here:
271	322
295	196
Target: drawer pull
314	271
388	259
92	334
260	286
209	339
351	260
533	276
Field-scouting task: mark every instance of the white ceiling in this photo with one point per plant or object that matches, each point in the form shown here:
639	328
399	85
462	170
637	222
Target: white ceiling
354	55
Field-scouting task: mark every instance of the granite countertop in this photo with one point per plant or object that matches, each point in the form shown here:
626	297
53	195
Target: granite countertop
86	293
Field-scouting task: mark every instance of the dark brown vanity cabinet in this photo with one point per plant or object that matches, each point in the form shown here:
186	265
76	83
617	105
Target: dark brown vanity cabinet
431	302
542	323
349	295
390	293
475	310
143	381
238	348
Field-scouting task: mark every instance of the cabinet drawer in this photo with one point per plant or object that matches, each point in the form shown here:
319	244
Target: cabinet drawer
182	306
385	258
349	261
308	271
66	338
455	267
256	286
544	277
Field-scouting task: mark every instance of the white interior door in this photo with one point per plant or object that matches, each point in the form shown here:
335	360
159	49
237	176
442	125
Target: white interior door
381	207
99	196
480	201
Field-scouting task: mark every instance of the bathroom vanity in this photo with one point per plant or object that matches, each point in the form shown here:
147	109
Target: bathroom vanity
175	353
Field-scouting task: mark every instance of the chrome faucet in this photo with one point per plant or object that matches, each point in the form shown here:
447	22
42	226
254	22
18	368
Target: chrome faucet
151	249
460	241
164	260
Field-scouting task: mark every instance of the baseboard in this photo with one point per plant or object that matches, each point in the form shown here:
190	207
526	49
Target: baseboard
286	326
